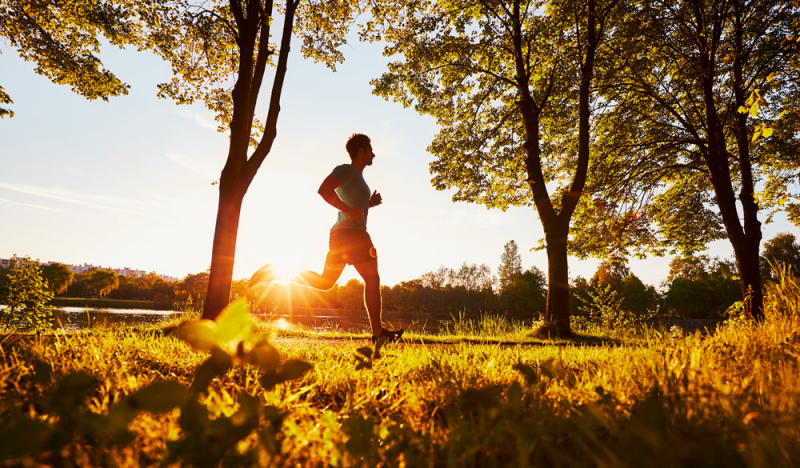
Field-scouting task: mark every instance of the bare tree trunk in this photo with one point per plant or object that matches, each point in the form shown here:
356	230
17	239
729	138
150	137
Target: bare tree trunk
557	311
223	252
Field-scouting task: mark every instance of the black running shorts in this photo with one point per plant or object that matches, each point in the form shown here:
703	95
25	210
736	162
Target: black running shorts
351	246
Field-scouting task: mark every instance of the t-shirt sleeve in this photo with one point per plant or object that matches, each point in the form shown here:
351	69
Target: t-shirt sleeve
342	173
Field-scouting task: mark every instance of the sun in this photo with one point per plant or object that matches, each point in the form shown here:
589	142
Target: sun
284	274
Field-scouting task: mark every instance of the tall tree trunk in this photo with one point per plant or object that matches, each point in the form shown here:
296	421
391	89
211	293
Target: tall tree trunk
224	251
557	311
239	171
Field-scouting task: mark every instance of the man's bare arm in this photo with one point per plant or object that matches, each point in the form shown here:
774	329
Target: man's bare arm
328	192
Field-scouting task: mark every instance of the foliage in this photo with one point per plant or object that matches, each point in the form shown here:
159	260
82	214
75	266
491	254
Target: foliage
781	252
63	39
27	296
726	399
699	287
102	282
510	268
206	439
58	276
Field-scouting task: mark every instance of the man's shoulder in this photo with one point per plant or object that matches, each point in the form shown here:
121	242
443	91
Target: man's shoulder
342	170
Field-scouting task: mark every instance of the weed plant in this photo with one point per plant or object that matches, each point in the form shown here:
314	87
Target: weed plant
662	400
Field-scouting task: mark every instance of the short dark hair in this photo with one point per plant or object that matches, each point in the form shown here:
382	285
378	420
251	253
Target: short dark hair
356	142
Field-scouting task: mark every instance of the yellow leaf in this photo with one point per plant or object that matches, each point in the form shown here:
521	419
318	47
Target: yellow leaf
754	110
201	335
234	322
781	115
756	135
771	77
766	132
742	110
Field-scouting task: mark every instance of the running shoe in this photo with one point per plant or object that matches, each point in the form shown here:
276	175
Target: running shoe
389	335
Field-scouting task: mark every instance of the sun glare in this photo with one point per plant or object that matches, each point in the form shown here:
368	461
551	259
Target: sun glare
281	324
283	273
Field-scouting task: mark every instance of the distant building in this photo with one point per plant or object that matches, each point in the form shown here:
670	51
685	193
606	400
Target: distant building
86	268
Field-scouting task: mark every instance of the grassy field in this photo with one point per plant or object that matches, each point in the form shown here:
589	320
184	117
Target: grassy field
466	397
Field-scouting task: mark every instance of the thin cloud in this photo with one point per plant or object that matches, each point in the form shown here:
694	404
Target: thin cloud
74	171
200	166
100	202
199	119
30	205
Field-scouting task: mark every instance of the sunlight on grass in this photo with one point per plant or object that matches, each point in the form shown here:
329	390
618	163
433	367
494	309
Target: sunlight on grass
669	400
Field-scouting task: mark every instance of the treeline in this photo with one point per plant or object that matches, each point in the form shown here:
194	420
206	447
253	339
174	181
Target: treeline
696	287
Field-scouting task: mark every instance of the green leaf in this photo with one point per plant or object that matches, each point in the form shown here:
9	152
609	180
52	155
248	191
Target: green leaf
234	322
71	391
159	397
528	372
293	369
216	365
270	379
264	355
200	335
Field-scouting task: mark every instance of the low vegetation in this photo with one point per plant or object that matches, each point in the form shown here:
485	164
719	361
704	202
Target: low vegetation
141	396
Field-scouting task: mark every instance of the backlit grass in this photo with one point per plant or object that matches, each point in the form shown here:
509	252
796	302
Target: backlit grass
727	399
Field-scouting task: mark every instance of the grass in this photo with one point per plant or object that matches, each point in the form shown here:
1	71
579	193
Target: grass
465	398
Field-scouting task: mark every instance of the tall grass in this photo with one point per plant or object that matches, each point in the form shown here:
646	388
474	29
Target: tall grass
725	399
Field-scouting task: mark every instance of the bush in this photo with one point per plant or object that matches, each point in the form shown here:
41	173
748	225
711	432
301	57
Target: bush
27	297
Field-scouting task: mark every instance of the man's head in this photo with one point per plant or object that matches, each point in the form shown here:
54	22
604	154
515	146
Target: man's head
357	144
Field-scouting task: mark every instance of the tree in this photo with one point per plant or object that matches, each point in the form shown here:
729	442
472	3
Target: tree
634	297
102	282
511	86
696	75
510	267
194	285
208	44
63	39
27	295
700	287
58	277
782	251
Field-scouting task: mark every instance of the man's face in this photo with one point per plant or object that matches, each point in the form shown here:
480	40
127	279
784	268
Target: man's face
367	154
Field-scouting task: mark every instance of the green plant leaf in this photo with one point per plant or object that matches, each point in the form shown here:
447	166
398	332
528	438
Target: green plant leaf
293	369
264	355
159	397
201	335
216	365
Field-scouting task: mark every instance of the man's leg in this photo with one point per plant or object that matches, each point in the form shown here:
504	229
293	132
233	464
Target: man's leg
330	274
372	293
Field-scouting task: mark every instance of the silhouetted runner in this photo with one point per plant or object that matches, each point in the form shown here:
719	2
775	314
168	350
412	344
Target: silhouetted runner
346	190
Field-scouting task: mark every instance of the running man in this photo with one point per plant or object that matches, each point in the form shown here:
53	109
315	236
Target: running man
346	190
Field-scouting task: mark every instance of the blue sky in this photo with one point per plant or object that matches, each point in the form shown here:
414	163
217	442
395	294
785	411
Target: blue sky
128	182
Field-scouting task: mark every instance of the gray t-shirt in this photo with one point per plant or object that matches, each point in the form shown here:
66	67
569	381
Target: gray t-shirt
354	191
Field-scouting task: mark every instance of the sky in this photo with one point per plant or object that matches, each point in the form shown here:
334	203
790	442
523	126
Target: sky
128	182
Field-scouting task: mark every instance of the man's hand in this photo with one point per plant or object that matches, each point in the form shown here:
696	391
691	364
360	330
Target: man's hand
375	199
355	214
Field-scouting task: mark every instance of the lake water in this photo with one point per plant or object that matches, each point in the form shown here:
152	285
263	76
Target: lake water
77	318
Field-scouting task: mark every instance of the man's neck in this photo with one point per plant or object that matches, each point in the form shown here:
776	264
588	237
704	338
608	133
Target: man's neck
359	165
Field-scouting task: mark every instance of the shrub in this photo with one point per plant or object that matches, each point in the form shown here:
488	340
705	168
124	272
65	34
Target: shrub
27	297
